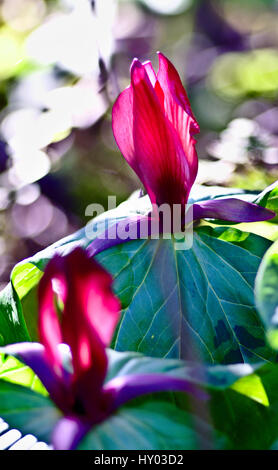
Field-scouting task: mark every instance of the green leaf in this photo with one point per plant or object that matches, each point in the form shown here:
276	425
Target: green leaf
243	407
28	411
266	292
201	300
160	421
153	425
12	370
219	377
269	199
12	325
148	421
267	230
202	193
248	423
252	387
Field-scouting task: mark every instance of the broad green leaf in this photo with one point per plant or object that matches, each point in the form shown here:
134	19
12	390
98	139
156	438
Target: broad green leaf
266	290
219	377
28	411
12	370
248	423
267	230
201	300
150	426
242	378
158	421
163	421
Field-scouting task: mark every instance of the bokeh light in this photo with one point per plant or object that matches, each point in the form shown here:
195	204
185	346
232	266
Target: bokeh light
164	7
64	62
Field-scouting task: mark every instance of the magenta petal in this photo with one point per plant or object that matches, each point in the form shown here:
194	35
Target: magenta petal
129	387
49	326
89	318
90	292
122	125
171	84
123	130
150	72
91	312
232	209
178	110
68	432
159	151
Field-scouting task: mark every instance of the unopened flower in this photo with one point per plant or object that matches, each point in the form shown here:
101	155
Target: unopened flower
154	127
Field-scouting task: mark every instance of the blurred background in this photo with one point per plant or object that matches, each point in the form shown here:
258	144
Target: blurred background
64	62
